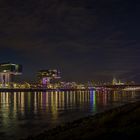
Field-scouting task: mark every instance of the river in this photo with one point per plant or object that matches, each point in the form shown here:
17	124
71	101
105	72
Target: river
29	113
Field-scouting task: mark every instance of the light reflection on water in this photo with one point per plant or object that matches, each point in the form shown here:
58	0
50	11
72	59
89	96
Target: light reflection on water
26	113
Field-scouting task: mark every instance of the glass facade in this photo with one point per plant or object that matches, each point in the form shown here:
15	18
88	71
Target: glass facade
9	67
48	73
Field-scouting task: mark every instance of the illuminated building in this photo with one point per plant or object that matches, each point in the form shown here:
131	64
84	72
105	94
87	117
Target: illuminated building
115	82
45	76
7	71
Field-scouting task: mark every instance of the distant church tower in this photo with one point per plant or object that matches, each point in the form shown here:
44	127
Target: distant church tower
114	81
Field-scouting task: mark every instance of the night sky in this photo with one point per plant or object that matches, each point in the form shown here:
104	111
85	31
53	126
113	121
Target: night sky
85	39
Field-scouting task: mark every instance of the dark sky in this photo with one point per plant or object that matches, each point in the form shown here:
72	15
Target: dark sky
85	39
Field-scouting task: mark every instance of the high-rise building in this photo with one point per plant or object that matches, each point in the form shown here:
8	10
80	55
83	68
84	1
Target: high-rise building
7	71
45	76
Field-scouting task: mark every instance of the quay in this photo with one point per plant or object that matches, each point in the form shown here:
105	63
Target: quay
38	90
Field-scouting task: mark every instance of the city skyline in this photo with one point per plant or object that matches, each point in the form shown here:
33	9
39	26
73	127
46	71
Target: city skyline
85	39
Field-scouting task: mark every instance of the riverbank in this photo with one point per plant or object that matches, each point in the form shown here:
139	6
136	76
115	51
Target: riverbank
38	89
118	123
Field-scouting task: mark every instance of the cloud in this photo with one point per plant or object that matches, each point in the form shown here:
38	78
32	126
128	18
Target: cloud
88	35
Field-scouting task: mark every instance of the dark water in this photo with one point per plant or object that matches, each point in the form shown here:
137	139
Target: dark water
26	113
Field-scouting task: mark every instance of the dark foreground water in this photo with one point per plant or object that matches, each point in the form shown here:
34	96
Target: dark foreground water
29	113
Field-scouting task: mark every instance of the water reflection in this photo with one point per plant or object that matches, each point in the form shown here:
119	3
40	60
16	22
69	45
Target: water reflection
56	100
21	111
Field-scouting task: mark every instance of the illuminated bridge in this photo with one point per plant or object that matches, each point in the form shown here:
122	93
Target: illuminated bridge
119	87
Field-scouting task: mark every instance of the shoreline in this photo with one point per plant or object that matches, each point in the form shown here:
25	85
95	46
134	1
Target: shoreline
119	122
51	90
38	90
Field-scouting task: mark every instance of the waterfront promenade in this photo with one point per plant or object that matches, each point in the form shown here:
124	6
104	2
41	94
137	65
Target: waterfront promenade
97	87
37	89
